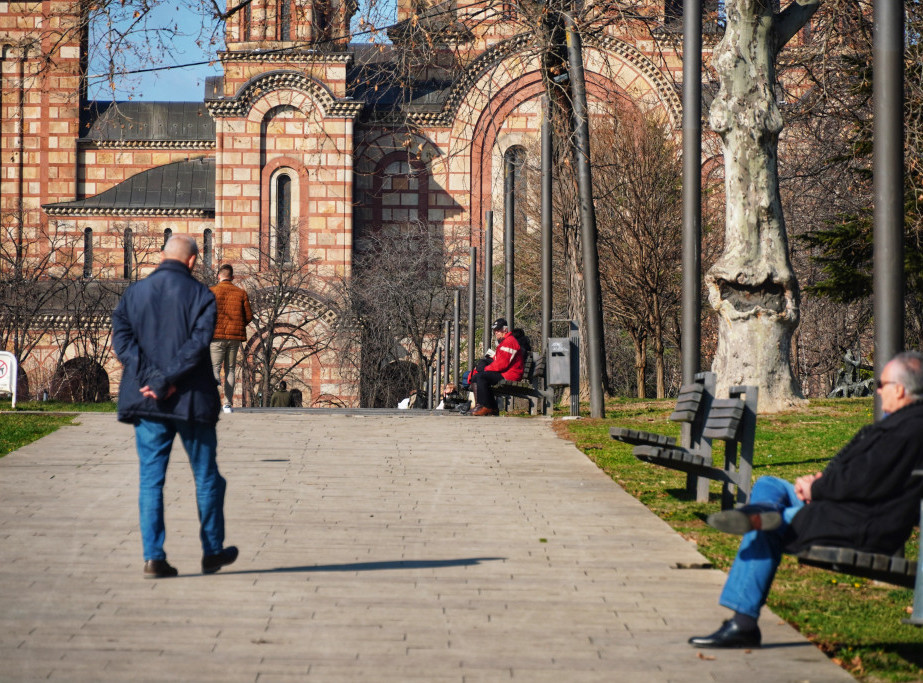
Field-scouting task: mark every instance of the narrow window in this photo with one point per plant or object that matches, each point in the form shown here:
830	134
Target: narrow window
167	234
208	248
127	253
88	253
285	20
283	219
245	23
321	20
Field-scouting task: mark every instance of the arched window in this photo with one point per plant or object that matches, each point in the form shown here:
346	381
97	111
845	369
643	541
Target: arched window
285	19
88	252
400	192
321	14
167	234
208	248
245	22
128	251
282	253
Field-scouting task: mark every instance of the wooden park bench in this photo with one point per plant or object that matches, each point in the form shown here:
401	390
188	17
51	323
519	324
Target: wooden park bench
731	420
893	569
530	386
691	405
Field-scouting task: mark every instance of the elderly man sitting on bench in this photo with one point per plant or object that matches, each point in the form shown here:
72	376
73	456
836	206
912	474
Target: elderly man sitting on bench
865	499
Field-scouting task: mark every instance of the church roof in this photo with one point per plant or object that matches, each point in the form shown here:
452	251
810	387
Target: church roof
183	188
147	122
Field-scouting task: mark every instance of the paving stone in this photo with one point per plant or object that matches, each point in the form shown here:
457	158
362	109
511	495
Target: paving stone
373	548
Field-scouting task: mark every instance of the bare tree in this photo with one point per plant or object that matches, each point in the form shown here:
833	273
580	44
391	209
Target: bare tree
640	191
33	270
293	321
399	296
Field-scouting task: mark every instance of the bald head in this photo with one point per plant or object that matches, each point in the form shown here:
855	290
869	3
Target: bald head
181	248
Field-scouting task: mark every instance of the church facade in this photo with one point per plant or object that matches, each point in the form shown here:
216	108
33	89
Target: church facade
305	142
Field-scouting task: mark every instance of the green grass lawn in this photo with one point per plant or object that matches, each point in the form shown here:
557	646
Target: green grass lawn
34	419
855	621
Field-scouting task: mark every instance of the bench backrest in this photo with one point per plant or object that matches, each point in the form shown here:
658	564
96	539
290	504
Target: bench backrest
528	366
688	403
724	419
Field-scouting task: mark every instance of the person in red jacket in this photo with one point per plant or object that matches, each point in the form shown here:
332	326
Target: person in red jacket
508	364
234	314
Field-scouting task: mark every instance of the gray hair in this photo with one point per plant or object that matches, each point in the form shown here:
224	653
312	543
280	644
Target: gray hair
181	247
909	372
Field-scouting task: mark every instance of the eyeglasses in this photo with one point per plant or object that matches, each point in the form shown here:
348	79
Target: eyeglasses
881	384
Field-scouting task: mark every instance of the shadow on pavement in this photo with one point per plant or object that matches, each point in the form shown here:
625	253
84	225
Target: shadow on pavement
372	566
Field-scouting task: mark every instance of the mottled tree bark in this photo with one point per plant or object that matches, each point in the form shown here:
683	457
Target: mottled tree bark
752	286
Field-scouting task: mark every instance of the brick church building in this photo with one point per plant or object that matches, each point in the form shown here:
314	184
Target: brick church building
305	142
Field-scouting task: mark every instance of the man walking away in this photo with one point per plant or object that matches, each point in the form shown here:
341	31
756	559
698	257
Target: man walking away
161	330
234	315
281	397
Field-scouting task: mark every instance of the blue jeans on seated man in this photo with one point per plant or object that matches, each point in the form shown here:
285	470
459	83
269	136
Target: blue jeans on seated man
154	439
760	552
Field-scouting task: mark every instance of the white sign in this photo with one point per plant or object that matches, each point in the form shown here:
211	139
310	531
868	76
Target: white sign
8	374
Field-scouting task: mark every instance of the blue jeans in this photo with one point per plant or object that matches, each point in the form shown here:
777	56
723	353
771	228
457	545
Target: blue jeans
760	552
154	440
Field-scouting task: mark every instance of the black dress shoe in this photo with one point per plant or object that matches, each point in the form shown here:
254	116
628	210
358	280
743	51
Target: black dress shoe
159	569
728	636
212	563
746	518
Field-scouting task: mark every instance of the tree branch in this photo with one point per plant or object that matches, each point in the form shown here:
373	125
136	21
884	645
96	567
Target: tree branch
790	20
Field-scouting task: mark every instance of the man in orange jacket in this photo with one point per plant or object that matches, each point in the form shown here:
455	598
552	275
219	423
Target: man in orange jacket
508	364
230	329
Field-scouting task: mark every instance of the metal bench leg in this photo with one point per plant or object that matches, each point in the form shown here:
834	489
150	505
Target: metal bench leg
916	618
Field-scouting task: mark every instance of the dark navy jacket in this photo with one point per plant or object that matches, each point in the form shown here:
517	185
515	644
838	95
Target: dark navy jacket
866	498
161	330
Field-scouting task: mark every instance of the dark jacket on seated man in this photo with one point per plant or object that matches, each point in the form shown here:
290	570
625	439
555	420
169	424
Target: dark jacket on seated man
867	499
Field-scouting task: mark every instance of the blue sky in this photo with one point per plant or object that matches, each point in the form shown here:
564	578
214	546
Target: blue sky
174	84
187	84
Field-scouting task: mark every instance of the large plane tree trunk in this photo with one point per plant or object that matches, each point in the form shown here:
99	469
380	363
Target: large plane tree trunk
752	286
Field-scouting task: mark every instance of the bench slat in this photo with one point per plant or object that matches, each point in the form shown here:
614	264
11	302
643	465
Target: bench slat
879	567
638	438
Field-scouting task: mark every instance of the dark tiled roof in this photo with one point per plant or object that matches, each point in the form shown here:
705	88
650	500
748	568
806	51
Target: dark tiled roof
183	187
147	122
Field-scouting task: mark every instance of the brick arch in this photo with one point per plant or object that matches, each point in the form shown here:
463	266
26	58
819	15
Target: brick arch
484	137
370	152
262	107
612	48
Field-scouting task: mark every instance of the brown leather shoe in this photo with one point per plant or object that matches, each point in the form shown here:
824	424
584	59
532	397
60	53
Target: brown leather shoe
483	411
159	569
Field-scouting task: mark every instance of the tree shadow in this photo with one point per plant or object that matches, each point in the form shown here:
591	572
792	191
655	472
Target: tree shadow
372	566
910	652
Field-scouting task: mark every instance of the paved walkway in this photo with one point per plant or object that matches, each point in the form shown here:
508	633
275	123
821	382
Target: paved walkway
373	548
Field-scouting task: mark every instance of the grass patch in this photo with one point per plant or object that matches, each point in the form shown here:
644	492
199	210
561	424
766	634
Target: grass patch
18	430
34	419
6	405
855	621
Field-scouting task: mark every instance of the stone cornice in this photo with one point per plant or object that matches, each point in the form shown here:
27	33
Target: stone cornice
147	144
109	211
283	56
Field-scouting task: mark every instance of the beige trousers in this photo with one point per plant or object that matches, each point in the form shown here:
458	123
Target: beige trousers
224	352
